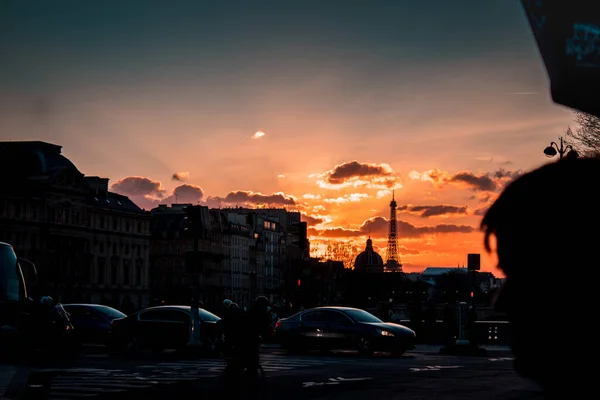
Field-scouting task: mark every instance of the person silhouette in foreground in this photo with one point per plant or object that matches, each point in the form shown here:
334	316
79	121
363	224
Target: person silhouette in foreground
546	226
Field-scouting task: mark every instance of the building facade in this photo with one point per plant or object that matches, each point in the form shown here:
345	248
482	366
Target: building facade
88	244
246	252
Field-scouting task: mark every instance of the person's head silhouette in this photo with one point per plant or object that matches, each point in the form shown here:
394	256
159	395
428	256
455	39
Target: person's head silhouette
546	228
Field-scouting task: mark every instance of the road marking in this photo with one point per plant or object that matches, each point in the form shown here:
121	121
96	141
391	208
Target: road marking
501	359
435	368
334	381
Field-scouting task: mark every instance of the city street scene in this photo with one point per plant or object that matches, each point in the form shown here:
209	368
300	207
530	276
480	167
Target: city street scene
308	200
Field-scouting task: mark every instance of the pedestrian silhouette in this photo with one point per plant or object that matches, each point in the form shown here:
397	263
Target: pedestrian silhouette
546	230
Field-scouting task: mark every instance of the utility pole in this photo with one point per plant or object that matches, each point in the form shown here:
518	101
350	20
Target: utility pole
193	267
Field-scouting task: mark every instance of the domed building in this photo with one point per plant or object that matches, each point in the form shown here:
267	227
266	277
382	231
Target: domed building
369	260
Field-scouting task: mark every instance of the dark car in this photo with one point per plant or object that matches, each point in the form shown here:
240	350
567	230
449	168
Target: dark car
328	328
160	328
92	321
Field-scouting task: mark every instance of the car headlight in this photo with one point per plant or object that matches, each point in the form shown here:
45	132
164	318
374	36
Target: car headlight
384	333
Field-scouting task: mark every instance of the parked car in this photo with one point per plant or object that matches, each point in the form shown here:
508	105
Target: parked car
329	328
160	328
92	321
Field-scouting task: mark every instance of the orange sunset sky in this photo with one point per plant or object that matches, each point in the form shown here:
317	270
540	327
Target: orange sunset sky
443	103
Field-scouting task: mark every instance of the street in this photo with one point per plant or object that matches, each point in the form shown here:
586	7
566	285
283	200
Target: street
416	375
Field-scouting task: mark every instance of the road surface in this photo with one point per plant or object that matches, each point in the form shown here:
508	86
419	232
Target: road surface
343	375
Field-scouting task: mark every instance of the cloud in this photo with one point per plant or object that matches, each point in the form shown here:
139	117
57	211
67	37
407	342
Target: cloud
383	193
313	220
378	227
281	176
433	211
180	176
258	135
311	196
348	198
139	186
405	251
489	182
185	194
356	174
247	197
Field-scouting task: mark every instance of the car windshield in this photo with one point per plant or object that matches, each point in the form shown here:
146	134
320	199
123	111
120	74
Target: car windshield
12	284
361	316
110	312
208	316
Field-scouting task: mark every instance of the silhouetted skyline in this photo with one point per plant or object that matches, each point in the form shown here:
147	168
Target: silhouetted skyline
442	101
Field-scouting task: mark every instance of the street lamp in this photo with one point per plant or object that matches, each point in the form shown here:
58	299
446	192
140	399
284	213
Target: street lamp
561	150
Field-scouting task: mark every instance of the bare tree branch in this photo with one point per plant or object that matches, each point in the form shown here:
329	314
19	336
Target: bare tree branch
586	137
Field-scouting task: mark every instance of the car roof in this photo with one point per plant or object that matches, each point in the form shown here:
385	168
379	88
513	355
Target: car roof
182	308
87	305
334	308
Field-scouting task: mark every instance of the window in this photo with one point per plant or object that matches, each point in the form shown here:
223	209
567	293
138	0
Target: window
165	316
126	274
113	274
12	283
311	316
101	270
361	316
208	316
336	317
110	312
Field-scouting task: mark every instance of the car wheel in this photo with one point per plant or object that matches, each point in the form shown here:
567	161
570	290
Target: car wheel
364	345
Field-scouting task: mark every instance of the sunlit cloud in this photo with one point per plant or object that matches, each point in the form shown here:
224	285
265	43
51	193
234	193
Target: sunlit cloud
489	181
383	193
250	198
258	135
348	198
281	176
311	196
358	175
434	210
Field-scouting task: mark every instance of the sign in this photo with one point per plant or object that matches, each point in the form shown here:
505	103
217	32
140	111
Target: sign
567	34
474	262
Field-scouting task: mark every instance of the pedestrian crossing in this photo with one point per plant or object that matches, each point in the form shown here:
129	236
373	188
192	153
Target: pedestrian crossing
80	383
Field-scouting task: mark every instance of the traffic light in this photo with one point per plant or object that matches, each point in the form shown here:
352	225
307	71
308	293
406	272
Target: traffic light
567	34
299	282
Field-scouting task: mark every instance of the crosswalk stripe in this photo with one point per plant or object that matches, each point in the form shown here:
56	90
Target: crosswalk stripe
76	383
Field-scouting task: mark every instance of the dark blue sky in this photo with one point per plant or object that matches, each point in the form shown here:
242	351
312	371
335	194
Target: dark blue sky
46	42
109	79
